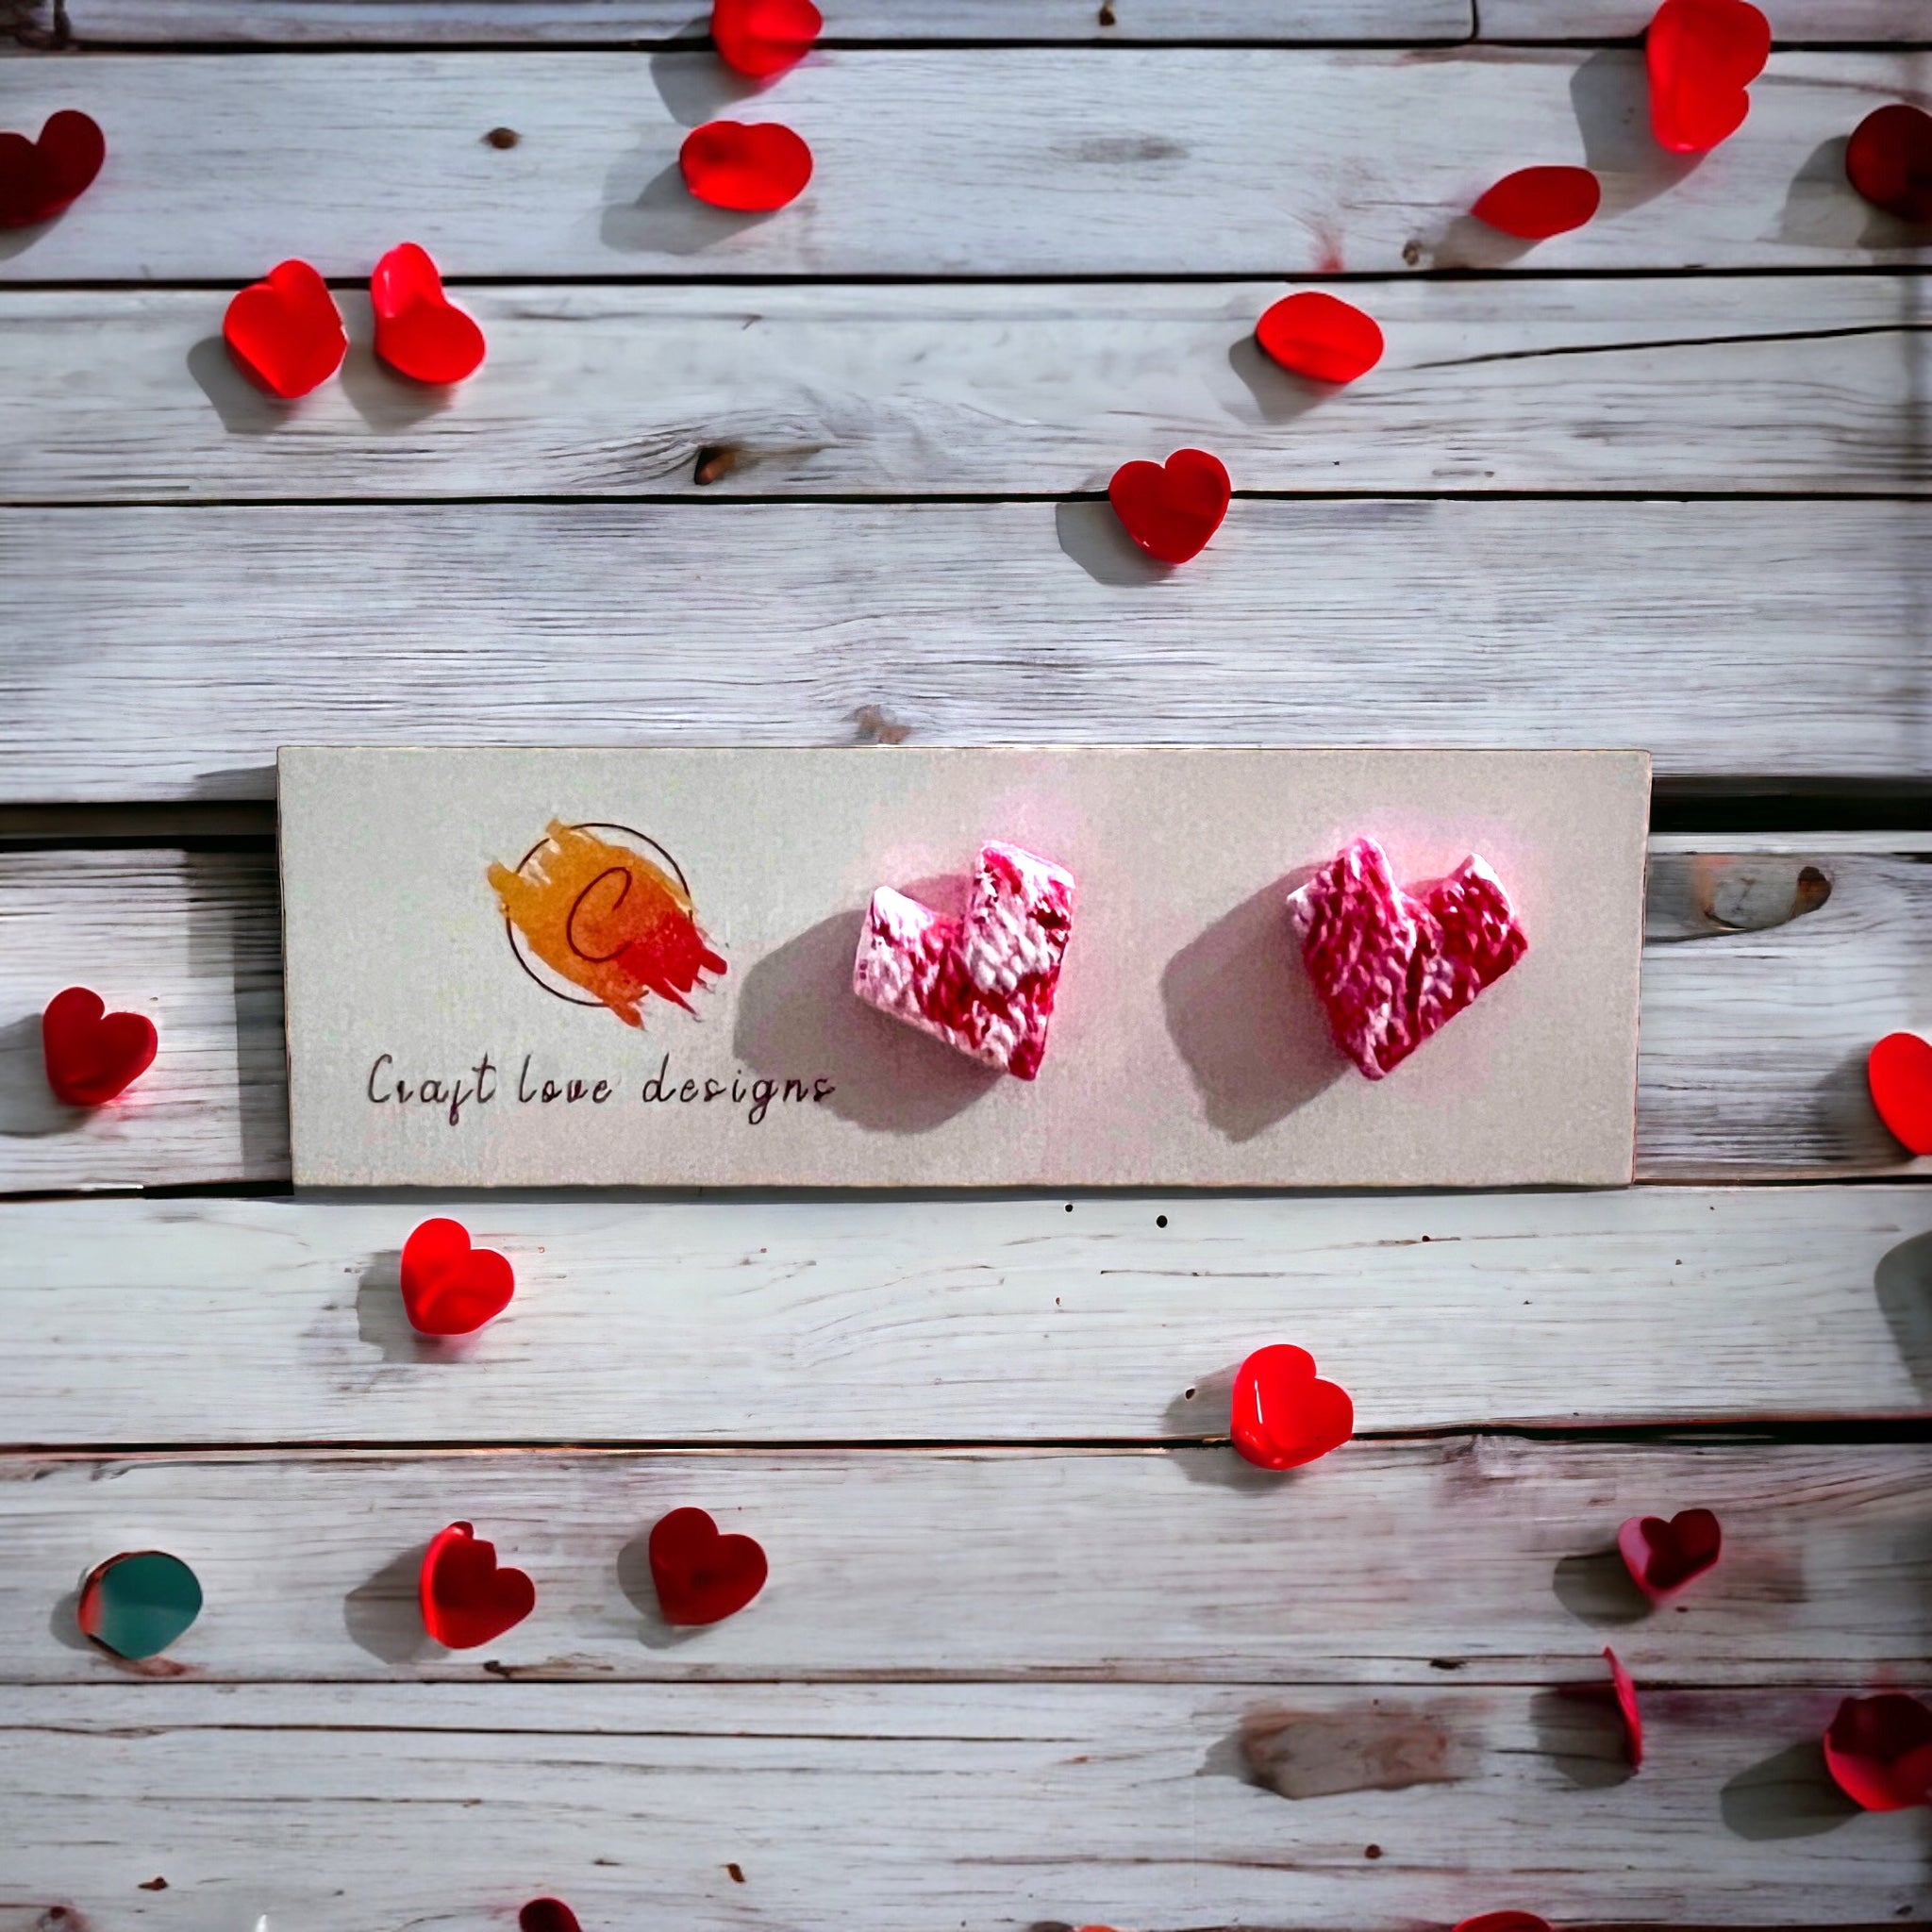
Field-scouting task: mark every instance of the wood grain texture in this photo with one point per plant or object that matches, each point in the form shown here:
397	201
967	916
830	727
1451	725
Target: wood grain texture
1876	22
562	21
1728	639
1049	161
1793	383
1486	1559
1767	975
984	1806
158	1323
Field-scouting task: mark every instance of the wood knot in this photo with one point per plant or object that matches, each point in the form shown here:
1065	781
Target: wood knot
1106	14
873	724
716	460
503	137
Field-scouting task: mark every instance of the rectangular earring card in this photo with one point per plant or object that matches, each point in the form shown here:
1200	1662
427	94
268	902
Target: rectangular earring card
1088	967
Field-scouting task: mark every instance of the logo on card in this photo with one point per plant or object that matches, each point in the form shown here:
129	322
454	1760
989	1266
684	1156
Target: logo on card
601	916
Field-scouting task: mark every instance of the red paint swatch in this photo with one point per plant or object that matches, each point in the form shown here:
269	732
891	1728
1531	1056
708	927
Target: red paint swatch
1625	1694
1533	204
546	1915
1702	55
1889	161
1320	335
1879	1752
286	331
701	1575
92	1054
419	331
1663	1555
1283	1413
750	169
466	1599
1898	1072
1171	508
39	179
450	1288
761	38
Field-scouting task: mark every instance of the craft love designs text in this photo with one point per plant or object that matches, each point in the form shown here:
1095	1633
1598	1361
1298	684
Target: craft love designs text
482	1083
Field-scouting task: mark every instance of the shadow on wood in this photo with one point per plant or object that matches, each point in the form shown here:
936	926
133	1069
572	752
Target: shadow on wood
384	1616
1903	1282
1579	1730
1788	1794
1597	1587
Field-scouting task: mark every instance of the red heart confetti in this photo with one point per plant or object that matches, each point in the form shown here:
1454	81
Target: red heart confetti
39	179
1899	1073
1662	1557
761	38
1171	508
450	1288
752	169
286	331
1889	161
467	1600
1284	1414
92	1054
1879	1752
1625	1694
1702	55
701	1576
419	331
1503	1922
1533	204
546	1915
1321	335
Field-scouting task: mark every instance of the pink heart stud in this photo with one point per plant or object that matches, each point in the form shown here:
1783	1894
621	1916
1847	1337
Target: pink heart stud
984	983
1390	969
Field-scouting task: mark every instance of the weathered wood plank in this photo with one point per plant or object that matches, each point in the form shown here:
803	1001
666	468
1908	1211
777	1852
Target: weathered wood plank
1798	383
1767	975
562	21
150	1323
1488	1556
1873	21
343	1807
1728	639
1023	161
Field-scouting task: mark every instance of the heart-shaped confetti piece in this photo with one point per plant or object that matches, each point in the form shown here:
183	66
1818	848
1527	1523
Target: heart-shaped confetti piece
761	38
1320	335
138	1604
92	1054
419	331
1283	1413
1503	1922
1889	161
701	1575
1625	1691
39	179
546	1915
1879	1751
450	1288
467	1599
286	331
1898	1072
1533	204
1171	508
746	167
1663	1555
1702	55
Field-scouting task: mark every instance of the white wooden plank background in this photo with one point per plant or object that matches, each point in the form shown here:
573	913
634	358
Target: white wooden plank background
876	1807
1482	1559
150	1323
1044	161
1767	975
1842	21
1780	384
1729	639
337	22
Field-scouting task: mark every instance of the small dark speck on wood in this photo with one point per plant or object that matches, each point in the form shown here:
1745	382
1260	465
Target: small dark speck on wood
1106	14
1372	1851
1411	251
716	461
503	137
154	1885
736	1873
873	724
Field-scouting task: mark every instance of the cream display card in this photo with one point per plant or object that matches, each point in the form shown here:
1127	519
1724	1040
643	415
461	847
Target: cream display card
489	952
